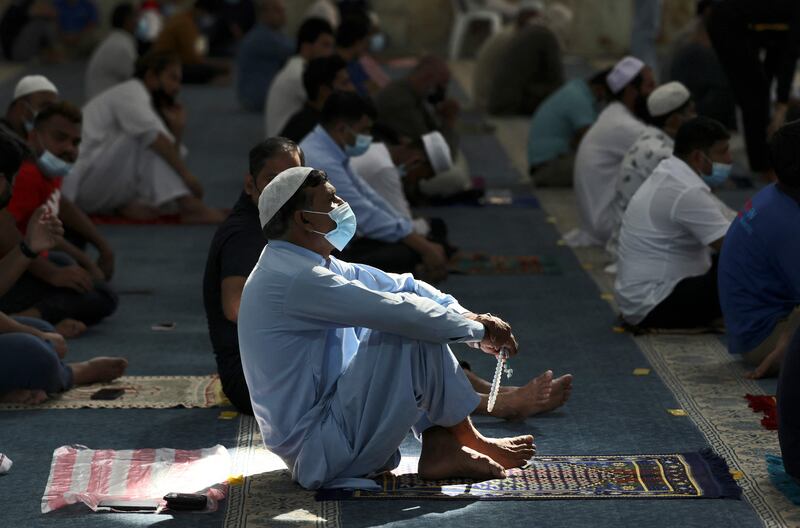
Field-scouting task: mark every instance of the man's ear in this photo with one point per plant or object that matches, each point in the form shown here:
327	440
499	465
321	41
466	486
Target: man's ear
299	218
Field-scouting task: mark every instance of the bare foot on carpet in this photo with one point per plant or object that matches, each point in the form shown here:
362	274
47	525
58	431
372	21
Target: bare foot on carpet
541	394
98	370
443	457
24	397
70	328
509	452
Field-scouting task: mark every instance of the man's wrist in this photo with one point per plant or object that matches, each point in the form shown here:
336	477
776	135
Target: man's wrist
26	250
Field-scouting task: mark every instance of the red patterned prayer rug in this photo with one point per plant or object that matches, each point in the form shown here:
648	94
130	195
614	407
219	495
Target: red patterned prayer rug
769	406
701	475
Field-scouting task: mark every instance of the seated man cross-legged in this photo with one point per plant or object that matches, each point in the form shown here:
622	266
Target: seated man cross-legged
66	287
667	277
342	360
759	281
234	253
31	351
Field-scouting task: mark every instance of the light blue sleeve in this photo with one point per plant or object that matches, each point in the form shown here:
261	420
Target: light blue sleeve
379	280
376	218
321	296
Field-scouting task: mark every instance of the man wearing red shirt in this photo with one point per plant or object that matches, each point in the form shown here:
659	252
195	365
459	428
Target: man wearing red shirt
45	291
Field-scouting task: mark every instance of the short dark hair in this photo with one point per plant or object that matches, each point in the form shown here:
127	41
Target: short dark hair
278	225
64	109
321	72
661	120
599	78
120	14
269	148
784	150
11	155
346	106
699	133
311	29
155	61
353	28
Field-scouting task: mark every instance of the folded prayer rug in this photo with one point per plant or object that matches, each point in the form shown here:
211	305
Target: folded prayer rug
699	475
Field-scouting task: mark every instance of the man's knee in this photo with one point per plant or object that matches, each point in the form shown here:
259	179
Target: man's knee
37	366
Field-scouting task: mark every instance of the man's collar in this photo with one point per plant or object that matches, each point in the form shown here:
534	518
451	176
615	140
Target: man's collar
294	248
685	173
331	144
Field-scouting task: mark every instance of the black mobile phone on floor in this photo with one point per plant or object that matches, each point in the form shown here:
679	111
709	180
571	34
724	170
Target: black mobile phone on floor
186	501
108	394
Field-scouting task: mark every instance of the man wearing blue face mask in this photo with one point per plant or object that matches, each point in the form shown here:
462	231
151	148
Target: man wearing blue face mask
667	270
342	360
67	275
386	238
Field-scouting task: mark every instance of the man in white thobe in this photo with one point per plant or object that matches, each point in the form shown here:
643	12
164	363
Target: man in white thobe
342	360
131	161
113	61
603	147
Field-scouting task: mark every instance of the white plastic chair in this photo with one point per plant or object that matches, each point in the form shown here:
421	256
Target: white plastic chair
465	13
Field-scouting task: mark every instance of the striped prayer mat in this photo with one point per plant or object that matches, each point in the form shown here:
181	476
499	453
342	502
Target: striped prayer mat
141	392
701	475
133	476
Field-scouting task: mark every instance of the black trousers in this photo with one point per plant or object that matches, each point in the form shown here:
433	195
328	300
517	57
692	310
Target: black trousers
693	303
57	304
739	53
200	73
231	374
788	396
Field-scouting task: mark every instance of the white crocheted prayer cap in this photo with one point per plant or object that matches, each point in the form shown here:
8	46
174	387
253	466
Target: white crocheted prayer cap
623	72
667	98
279	190
32	84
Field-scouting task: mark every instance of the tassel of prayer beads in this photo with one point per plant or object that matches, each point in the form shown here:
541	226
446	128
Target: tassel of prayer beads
498	374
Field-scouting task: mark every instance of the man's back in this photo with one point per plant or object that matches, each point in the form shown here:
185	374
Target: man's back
527	72
665	236
180	35
597	163
111	63
758	275
558	119
286	96
262	53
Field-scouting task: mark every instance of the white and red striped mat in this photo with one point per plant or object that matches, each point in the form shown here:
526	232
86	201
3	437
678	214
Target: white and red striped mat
92	476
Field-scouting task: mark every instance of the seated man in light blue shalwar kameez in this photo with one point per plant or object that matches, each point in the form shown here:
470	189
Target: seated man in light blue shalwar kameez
343	359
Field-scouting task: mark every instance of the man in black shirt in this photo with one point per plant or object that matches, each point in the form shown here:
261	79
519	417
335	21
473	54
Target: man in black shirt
321	78
234	251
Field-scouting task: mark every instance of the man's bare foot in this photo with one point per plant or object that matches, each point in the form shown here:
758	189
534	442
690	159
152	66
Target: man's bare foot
138	212
98	370
541	394
509	452
24	397
444	458
70	328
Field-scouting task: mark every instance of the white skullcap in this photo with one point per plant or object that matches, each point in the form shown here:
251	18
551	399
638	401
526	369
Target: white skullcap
438	151
32	84
623	72
279	190
667	98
